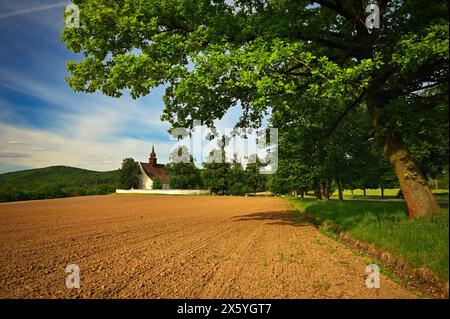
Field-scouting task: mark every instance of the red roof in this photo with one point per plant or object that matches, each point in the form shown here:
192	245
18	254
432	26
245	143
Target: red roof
153	171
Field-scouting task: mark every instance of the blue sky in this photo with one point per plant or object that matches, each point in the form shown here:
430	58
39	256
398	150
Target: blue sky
44	123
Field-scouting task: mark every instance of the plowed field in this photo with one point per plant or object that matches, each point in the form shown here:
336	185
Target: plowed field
135	246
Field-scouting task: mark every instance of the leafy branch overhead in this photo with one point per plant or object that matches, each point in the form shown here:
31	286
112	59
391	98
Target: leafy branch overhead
212	54
266	56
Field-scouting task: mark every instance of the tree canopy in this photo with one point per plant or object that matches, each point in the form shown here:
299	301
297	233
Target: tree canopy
129	174
183	175
157	183
267	55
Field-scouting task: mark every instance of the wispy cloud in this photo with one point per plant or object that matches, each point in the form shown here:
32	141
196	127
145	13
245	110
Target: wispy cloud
14	155
63	150
31	10
14	142
88	115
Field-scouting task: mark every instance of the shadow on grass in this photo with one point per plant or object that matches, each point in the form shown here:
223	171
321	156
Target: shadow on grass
422	241
354	214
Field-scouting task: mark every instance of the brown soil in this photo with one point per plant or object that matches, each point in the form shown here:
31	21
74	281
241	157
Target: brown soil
135	246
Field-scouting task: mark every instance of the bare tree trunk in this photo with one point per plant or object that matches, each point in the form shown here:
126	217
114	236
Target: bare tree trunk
323	190
341	196
327	189
318	191
416	191
364	192
382	191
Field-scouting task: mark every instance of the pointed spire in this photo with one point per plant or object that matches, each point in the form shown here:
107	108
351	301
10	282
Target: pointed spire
153	154
152	159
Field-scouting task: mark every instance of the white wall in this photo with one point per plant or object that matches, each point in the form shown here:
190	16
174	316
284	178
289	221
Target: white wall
164	191
144	181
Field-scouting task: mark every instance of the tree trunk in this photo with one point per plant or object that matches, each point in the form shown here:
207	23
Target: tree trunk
323	190
318	191
416	191
382	191
327	189
341	197
302	194
364	192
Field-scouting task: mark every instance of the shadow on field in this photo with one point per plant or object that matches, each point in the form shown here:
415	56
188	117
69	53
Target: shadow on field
292	218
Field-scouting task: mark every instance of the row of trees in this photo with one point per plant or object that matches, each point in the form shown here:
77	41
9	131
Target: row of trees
309	160
221	178
350	155
231	178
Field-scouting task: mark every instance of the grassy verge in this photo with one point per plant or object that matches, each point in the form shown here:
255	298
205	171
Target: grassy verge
421	242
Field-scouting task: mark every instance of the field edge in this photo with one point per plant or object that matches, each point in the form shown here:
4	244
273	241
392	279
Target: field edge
420	279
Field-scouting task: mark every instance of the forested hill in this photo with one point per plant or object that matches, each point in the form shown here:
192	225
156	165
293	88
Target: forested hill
55	182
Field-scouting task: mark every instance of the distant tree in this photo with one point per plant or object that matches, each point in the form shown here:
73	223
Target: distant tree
216	176
216	173
238	189
298	176
129	174
290	176
277	184
237	180
255	179
375	171
157	183
387	180
183	175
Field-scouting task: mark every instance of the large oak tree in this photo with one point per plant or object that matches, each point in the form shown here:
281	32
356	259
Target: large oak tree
263	55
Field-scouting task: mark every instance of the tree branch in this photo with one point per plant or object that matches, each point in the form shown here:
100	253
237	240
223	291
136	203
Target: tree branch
345	113
337	7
